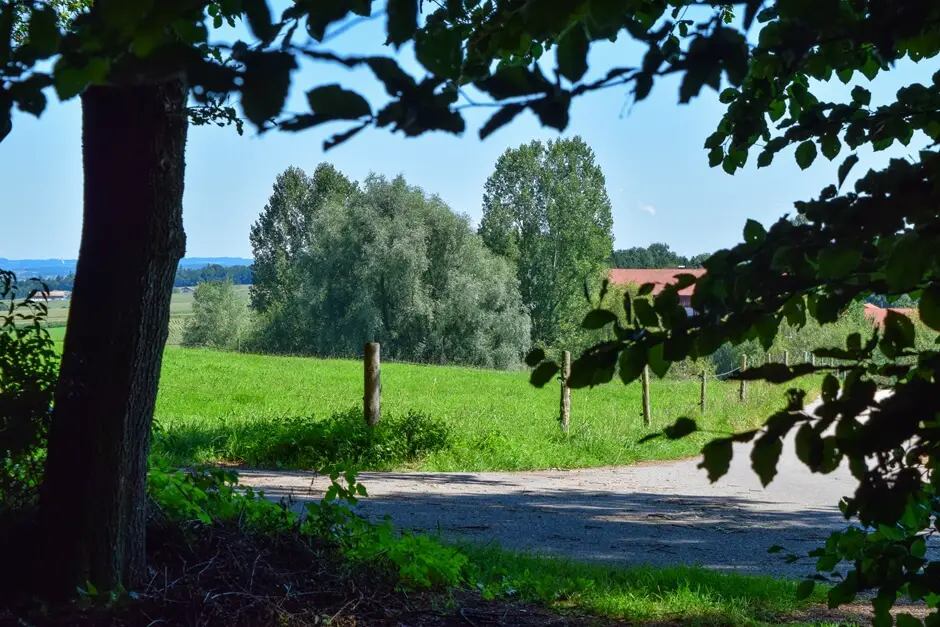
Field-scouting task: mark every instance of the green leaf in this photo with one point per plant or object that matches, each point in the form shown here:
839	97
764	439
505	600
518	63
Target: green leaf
765	158
571	53
43	31
147	40
809	447
646	289
919	547
778	109
716	458
805	154
715	139
535	357
190	32
909	259
776	549
631	363
402	21
846	166
658	364
871	67
907	620
266	81
836	262
805	589
645	314
729	95
754	232
929	307
71	80
681	428
831	146
259	19
339	138
387	70
899	331
335	103
514	81
543	373
439	50
598	319
764	457
552	110
861	96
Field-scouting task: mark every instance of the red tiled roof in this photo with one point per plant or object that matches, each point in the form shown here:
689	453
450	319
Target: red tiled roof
878	314
658	277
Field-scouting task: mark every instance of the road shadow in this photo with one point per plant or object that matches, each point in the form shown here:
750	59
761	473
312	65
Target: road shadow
724	533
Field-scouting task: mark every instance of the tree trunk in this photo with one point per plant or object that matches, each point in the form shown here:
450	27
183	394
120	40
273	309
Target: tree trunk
93	500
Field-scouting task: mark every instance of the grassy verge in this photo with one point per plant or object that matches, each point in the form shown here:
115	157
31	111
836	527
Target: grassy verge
682	594
298	412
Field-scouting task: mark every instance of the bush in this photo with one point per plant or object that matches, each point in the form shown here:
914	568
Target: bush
28	369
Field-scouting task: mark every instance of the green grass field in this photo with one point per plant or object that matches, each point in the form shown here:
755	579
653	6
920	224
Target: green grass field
645	595
291	411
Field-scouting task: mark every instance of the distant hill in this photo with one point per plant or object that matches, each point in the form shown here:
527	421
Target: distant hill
48	268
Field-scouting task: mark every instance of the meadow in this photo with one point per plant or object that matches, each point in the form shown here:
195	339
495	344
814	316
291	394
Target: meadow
294	412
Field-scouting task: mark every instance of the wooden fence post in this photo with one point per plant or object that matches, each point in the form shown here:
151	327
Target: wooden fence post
742	393
813	359
565	417
702	402
786	358
647	413
372	399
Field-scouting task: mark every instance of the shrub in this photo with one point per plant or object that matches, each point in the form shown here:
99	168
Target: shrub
304	442
28	368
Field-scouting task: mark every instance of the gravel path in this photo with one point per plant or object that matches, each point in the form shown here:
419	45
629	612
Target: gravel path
661	514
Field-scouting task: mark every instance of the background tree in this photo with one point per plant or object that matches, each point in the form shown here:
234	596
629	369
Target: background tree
546	210
282	232
656	255
219	317
391	264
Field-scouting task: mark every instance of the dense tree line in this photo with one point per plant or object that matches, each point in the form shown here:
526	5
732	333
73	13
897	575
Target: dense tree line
339	264
239	275
657	255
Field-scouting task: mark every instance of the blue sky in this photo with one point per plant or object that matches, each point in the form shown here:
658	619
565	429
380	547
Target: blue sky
658	178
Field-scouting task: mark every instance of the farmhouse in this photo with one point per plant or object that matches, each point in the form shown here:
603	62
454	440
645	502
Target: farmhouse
58	295
659	277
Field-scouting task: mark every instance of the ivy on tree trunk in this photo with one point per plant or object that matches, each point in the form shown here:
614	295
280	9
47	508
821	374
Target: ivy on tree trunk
93	499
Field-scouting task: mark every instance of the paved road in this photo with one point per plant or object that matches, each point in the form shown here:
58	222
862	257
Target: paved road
661	514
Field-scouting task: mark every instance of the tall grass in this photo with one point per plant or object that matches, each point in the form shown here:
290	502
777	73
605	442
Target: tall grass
226	407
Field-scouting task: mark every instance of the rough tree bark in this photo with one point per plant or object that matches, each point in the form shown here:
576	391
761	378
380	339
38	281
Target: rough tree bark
93	500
